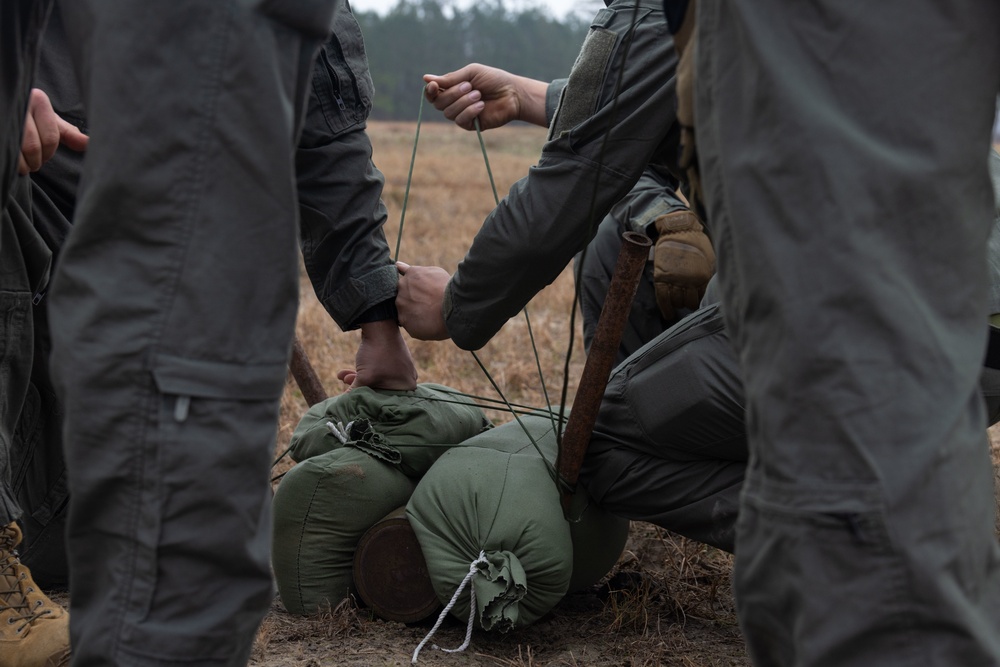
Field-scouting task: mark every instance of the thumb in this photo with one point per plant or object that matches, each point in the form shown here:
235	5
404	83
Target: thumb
71	136
347	376
402	267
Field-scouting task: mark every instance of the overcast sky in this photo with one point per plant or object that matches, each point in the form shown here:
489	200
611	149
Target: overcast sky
557	8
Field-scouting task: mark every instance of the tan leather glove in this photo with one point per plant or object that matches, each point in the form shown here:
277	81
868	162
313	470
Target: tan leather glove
683	262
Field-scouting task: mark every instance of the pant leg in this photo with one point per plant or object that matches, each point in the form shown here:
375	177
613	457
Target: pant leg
15	342
40	484
21	24
843	147
172	311
669	445
594	273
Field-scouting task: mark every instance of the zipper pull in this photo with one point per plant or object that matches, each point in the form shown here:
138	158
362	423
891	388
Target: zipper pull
340	102
37	299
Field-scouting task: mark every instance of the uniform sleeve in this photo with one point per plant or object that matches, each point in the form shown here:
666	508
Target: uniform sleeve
652	196
343	244
585	168
552	95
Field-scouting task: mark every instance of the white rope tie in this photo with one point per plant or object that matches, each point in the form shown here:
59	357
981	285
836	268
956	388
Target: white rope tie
340	431
454	598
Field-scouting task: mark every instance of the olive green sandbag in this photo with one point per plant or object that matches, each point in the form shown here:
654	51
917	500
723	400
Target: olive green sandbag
475	500
407	429
321	509
502	500
598	536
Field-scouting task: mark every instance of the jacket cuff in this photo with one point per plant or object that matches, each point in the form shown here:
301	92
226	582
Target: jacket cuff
380	311
552	94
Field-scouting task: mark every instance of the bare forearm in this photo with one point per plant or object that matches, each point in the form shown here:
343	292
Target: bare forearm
531	93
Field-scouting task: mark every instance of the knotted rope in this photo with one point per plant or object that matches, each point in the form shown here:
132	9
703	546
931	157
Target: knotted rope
454	598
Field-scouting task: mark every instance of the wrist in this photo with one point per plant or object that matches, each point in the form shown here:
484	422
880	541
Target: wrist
531	100
380	330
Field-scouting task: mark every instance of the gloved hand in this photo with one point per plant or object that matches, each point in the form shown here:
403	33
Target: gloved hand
683	262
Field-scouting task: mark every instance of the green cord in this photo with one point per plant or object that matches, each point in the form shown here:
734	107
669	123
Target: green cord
548	464
527	320
409	177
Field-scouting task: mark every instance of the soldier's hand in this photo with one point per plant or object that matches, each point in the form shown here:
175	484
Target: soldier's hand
420	299
493	95
44	130
683	262
383	361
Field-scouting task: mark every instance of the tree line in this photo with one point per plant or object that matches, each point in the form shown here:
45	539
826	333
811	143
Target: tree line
429	36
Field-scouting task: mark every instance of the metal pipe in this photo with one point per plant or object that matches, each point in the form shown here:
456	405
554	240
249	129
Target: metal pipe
600	360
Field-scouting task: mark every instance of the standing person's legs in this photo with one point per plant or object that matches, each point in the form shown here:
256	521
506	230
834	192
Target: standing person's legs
172	316
843	148
32	629
21	23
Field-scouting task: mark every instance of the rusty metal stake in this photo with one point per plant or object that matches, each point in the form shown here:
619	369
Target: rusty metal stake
597	369
305	376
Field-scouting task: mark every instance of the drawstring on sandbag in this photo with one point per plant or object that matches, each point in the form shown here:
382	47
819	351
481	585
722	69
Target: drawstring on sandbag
454	598
340	431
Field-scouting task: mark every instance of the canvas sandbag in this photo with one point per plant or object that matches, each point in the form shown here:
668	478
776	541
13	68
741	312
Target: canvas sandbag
475	500
321	509
407	429
598	536
495	494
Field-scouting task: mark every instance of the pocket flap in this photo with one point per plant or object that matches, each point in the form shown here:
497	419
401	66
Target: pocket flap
214	379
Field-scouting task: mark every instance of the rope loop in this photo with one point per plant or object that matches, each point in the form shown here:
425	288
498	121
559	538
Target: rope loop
473	567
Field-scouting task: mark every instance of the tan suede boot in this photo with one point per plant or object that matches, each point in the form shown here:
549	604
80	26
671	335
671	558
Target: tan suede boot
34	631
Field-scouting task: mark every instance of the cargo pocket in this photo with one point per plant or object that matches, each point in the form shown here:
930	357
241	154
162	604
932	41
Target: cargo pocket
185	378
342	87
683	390
205	528
815	569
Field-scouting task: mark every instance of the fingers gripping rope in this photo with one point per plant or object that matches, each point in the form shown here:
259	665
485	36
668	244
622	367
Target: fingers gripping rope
454	598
